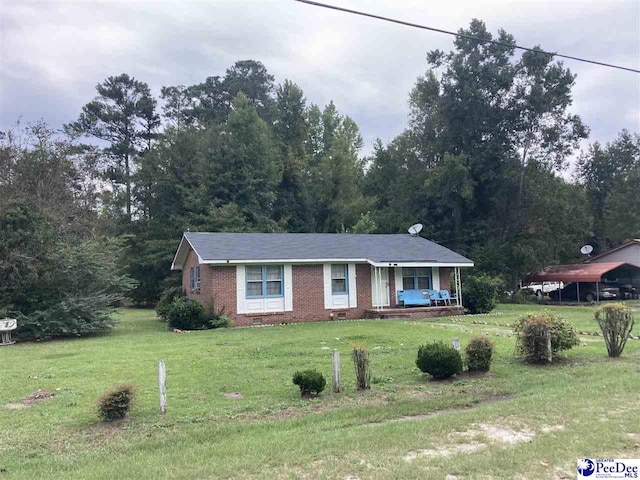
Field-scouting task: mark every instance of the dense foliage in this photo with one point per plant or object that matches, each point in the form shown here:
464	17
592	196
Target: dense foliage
311	382
480	293
480	165
439	360
56	276
616	322
166	300
187	314
116	403
478	354
536	332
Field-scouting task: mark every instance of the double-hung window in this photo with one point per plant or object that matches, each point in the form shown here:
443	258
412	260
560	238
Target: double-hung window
340	279
197	280
192	280
264	281
416	278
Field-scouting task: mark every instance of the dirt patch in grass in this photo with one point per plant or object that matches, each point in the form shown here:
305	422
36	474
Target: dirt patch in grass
36	397
104	432
504	435
476	438
445	451
234	395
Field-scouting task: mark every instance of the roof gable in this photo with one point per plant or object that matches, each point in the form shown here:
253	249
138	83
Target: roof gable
635	241
222	247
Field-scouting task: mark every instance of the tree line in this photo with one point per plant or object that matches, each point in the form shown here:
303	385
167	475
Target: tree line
482	164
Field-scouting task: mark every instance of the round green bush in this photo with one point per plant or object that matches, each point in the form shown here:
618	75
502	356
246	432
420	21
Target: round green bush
480	293
478	354
439	360
532	336
311	382
187	314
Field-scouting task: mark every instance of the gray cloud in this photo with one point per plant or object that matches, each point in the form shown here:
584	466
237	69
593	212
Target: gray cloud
52	54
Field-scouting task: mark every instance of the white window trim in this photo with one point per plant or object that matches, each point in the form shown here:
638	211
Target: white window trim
331	302
285	304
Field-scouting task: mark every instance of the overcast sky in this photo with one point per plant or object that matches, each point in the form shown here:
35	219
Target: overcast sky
53	53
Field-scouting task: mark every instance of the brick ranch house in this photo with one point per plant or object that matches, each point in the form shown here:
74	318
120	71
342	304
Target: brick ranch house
264	278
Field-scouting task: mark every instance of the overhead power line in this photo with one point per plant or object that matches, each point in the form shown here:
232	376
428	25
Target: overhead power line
462	35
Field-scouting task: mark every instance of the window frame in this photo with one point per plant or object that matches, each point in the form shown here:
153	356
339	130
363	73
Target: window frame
263	282
415	277
197	278
346	279
192	280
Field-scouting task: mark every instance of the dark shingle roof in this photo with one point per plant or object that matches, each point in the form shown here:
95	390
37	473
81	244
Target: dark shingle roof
303	246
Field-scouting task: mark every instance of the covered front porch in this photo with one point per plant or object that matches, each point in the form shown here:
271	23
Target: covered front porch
387	279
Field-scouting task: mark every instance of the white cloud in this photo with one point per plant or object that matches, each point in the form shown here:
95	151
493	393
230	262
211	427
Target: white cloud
52	54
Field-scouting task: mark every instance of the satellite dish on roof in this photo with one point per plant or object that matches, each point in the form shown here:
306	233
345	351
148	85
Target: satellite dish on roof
586	249
414	230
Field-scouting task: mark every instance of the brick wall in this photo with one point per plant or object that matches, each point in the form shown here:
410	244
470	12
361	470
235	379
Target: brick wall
445	278
218	288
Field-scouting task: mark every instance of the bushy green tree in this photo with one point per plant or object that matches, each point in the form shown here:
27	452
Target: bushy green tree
480	293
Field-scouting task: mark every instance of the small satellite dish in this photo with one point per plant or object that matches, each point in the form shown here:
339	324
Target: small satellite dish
414	230
586	250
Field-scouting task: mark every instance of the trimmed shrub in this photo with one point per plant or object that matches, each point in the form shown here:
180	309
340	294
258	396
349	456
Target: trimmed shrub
166	299
616	323
480	293
533	331
221	321
311	382
439	360
478	354
187	314
116	403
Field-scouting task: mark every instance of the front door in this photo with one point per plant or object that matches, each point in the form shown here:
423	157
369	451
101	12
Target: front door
380	286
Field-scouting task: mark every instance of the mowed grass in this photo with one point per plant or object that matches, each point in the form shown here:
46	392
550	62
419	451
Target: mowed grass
518	422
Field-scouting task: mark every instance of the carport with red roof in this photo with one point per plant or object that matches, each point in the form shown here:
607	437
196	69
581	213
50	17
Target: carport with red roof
586	272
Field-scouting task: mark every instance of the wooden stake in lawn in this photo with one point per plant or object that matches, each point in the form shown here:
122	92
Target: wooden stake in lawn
547	334
162	386
336	370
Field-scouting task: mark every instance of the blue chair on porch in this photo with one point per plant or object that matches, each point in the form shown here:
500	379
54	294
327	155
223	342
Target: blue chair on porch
444	295
435	297
409	298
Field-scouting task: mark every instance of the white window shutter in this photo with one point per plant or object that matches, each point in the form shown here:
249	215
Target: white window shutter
288	288
353	290
328	300
435	278
240	287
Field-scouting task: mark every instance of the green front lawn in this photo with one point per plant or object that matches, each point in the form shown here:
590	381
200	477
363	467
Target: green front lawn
519	421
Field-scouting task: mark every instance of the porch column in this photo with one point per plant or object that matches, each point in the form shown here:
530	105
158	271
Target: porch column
458	284
460	287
